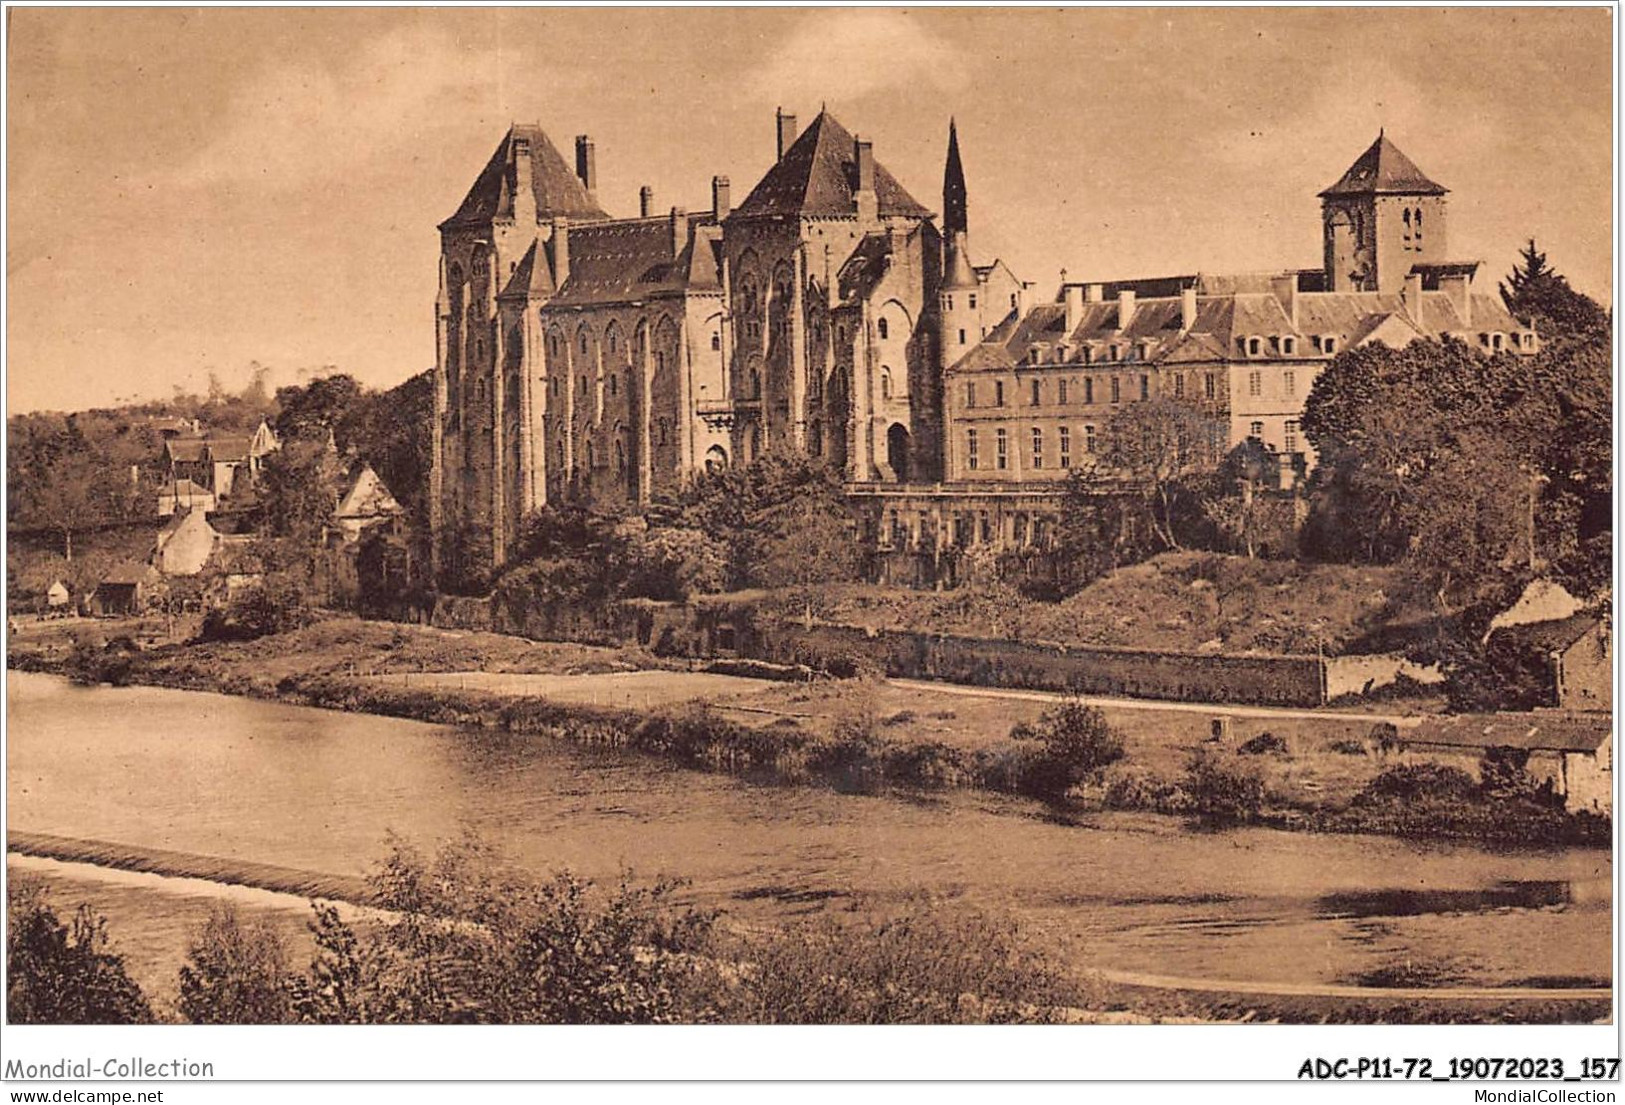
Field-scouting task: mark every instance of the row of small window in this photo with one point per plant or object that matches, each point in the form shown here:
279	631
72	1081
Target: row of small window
1255	382
1284	344
1001	447
1065	389
1289	435
1087	354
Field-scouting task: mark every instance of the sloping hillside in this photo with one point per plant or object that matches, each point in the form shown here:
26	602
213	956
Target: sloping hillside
1181	601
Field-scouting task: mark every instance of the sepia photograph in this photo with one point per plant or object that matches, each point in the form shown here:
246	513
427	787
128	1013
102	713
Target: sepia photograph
683	516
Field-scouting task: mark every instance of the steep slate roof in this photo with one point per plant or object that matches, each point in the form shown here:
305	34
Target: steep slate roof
632	259
1552	636
557	189
1350	317
184	488
185	450
128	573
368	497
1537	731
230	449
816	176
529	278
1383	171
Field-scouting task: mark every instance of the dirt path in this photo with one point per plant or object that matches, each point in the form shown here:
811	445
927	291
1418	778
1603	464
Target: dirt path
1399	721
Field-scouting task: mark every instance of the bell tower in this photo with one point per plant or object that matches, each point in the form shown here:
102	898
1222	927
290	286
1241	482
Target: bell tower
1382	217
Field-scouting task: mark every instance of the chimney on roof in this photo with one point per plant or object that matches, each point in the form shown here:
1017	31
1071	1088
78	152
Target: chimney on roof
1074	307
863	191
646	202
587	164
721	197
524	191
1285	287
679	230
1125	308
1187	308
787	132
1459	287
1413	299
561	250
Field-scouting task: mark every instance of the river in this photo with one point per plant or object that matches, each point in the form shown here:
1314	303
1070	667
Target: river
319	790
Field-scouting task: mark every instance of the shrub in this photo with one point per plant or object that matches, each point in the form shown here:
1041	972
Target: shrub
915	965
1415	782
63	973
1265	744
1078	744
1140	790
1347	746
1222	789
236	973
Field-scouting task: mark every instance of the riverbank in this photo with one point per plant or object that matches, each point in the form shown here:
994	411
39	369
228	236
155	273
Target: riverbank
1318	772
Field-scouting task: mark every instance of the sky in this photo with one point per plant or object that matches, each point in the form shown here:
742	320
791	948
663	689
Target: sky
194	191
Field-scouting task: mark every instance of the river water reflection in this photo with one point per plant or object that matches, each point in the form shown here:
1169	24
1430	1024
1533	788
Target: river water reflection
321	790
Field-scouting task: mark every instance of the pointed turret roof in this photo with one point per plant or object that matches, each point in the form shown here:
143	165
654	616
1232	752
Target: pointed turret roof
1384	171
816	176
557	189
954	207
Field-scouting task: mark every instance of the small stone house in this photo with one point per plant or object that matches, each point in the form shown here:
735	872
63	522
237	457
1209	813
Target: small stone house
185	544
125	590
1576	654
1572	750
56	596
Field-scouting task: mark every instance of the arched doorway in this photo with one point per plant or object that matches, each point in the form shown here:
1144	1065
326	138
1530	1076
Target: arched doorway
897	451
716	459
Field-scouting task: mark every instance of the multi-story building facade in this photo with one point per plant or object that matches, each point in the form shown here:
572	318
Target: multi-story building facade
581	354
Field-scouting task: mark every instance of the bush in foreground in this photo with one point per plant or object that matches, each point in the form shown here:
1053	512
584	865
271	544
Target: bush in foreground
468	941
64	973
1078	744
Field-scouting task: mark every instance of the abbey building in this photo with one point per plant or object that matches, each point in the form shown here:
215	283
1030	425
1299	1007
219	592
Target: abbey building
830	313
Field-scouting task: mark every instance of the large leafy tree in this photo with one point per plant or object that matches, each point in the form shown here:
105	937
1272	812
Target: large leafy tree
1159	447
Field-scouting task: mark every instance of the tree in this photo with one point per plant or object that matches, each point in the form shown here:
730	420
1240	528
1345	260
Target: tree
236	973
1101	528
64	973
1079	744
332	402
1157	446
299	489
1534	290
805	544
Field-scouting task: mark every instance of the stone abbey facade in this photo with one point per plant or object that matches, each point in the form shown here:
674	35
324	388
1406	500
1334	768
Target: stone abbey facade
580	354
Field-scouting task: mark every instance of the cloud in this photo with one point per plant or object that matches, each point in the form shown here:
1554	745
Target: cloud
298	120
854	52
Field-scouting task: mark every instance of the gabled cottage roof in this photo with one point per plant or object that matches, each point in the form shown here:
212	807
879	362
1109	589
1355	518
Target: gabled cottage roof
1550	636
185	450
817	175
1384	171
557	189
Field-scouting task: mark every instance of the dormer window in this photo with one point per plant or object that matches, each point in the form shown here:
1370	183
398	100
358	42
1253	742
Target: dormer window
1497	342
1255	347
1033	354
1145	351
1328	344
1088	355
1289	345
1113	353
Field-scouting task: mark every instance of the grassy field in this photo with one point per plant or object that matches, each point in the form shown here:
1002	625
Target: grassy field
1327	758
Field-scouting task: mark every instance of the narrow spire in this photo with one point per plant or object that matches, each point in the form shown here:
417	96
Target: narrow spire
954	213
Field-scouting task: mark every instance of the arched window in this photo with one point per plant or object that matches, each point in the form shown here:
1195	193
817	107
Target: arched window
620	458
755	383
881	329
583	343
885	382
1416	226
614	382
